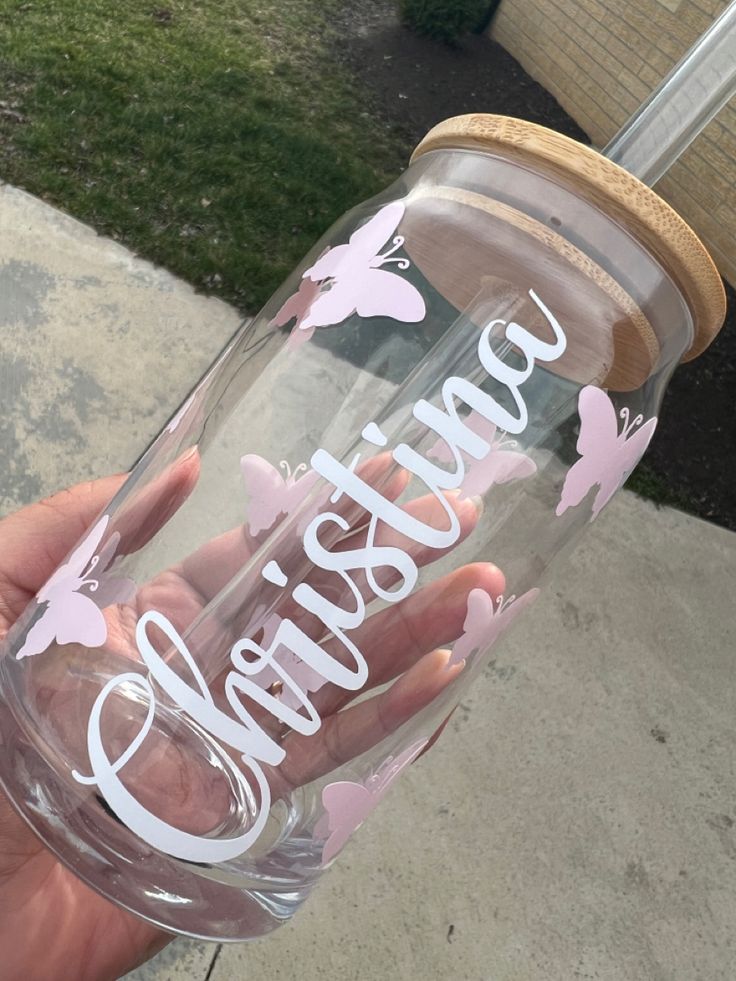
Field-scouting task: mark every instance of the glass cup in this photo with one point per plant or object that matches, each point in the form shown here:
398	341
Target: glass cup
294	587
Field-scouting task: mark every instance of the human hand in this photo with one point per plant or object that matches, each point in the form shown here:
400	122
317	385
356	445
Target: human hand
52	925
70	930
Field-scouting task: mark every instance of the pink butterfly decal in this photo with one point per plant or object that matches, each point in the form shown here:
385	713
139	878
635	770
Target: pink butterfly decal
486	621
607	457
298	306
348	804
501	465
74	601
270	494
350	279
304	677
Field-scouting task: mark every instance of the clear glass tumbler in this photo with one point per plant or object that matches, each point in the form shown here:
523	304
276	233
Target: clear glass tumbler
297	583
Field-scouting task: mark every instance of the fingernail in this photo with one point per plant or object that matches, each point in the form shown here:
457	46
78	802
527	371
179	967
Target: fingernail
448	663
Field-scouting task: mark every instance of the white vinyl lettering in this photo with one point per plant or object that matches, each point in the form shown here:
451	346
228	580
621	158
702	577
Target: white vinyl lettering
240	729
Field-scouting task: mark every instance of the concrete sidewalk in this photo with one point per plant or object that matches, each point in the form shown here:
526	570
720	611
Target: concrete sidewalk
576	820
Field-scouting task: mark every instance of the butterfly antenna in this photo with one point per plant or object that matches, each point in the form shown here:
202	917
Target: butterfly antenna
285	467
373	783
398	241
92	583
628	426
504	602
503	441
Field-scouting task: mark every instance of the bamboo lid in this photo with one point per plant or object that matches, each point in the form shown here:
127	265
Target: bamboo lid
618	194
460	239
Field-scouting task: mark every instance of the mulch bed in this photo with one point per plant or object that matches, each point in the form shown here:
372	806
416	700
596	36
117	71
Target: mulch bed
413	83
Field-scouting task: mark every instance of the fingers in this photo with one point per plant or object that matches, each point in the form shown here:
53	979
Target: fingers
428	510
217	563
355	730
35	539
396	638
331	585
220	573
138	519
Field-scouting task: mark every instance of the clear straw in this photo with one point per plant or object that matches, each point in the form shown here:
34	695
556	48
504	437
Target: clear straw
681	106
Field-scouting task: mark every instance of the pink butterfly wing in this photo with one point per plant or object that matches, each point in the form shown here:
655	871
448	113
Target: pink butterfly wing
352	259
385	294
78	621
478	621
297	490
636	444
499	467
329	263
111	590
114	591
266	489
73	619
299	335
316	507
39	637
622	462
370	238
598	423
331	307
484	623
298	303
77	562
581	476
358	287
597	446
506	616
347	805
441	451
304	677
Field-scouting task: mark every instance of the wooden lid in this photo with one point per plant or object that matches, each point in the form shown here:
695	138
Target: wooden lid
615	191
456	252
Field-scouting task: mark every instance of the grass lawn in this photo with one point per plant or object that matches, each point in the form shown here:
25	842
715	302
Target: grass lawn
217	139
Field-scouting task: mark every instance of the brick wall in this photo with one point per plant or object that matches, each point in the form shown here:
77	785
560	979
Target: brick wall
601	58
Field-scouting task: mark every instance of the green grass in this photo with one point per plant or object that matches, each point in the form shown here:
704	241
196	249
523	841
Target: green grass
218	139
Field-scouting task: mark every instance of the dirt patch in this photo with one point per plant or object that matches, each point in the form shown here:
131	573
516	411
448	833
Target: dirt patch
413	83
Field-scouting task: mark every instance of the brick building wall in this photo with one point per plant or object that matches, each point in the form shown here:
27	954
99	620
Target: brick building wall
601	58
